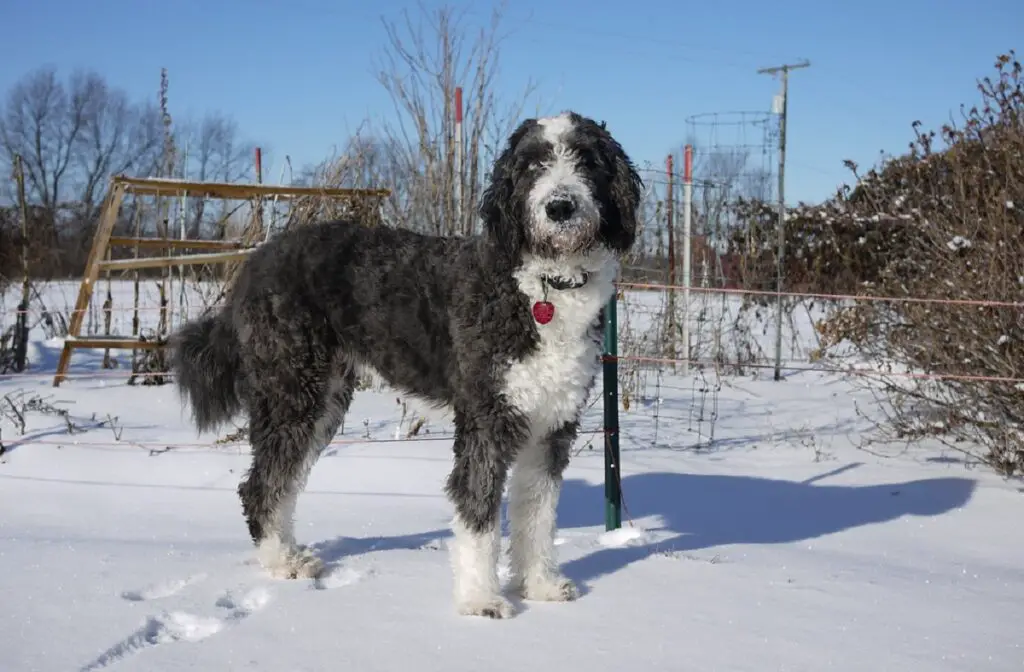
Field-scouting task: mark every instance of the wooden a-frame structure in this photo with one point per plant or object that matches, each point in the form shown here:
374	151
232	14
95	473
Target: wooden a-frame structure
213	251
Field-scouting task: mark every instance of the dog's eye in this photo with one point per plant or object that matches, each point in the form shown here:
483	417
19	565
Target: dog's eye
532	164
589	159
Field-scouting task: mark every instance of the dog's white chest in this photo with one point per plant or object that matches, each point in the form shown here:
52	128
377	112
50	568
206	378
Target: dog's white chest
550	385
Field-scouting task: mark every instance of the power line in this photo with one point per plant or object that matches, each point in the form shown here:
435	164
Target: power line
781	231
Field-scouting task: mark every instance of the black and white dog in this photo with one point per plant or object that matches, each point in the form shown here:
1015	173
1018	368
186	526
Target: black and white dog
504	329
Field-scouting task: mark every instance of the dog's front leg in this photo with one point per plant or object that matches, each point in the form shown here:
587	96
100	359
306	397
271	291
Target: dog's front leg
533	499
475	488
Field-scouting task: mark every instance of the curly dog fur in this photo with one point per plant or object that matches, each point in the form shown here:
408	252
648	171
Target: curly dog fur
448	319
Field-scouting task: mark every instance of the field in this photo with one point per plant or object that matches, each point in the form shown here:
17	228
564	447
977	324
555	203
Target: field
759	533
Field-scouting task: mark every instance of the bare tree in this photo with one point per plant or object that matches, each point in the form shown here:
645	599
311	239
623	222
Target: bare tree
426	57
42	123
117	136
213	151
73	137
74	133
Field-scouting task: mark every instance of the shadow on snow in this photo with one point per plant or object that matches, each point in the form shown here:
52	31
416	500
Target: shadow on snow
708	511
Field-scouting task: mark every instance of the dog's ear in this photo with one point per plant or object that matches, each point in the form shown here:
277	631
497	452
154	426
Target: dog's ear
501	211
626	191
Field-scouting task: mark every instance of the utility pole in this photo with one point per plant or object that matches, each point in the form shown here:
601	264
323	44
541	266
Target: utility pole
781	227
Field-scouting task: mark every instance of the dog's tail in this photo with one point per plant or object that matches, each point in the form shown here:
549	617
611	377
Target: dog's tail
206	365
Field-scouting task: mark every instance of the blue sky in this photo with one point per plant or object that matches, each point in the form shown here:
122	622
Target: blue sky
297	75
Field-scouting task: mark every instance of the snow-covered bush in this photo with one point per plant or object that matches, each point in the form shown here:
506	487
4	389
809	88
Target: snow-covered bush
944	221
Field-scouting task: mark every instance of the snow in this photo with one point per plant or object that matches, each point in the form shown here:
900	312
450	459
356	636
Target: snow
781	544
623	536
958	243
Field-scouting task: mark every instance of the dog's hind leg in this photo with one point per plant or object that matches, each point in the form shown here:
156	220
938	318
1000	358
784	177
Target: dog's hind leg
533	499
287	438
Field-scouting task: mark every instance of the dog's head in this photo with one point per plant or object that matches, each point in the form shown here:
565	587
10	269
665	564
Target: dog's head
563	185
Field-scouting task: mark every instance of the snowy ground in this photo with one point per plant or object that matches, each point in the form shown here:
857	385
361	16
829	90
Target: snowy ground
783	546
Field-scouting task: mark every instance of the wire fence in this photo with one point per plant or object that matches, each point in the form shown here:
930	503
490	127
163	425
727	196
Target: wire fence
663	393
625	285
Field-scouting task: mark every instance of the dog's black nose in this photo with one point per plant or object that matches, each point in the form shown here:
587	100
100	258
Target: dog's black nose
560	209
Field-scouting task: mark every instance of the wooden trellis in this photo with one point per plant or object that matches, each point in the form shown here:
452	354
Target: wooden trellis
210	251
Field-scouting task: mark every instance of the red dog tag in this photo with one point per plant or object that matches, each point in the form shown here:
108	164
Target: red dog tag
543	311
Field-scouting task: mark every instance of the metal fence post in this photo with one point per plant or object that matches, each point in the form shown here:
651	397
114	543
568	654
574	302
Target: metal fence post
612	483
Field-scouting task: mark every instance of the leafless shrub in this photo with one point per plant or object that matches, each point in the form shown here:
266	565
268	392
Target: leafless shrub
945	221
16	407
361	165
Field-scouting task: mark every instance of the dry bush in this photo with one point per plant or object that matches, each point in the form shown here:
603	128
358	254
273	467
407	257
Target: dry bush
360	166
840	246
944	221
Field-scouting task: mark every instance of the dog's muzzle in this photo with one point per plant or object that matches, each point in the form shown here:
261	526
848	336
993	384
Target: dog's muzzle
566	221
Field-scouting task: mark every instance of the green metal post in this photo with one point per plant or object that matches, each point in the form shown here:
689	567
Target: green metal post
612	489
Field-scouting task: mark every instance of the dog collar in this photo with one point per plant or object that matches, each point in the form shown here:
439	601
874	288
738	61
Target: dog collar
544	310
560	283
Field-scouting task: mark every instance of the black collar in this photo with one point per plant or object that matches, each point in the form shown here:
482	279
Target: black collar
560	283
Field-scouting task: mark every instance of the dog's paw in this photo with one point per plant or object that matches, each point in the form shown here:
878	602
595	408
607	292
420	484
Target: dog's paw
491	606
555	588
293	563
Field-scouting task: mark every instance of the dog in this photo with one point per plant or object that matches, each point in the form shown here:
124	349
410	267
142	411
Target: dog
504	328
